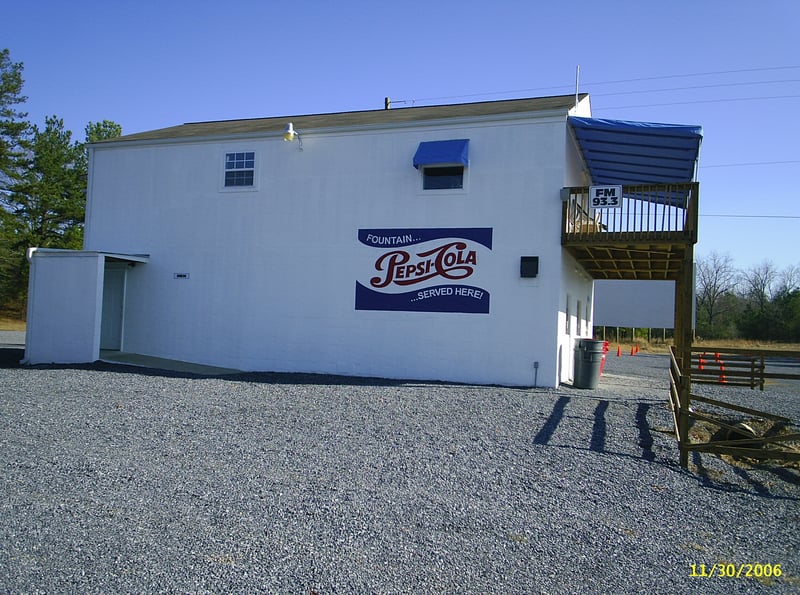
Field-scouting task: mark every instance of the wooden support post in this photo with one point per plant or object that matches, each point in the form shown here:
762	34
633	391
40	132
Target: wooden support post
684	296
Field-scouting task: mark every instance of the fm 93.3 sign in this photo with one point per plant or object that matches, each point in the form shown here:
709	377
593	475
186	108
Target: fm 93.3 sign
605	197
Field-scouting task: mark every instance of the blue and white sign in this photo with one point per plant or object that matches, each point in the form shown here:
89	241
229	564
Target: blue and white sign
425	270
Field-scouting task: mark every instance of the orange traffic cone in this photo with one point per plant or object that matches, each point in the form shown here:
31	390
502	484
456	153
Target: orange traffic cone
633	351
619	350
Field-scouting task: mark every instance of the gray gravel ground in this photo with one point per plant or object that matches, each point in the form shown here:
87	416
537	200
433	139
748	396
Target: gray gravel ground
117	479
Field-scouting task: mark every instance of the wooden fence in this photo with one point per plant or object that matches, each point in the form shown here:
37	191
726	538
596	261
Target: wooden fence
740	441
728	369
742	367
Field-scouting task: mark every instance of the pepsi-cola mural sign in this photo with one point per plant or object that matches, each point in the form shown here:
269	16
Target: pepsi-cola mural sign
424	270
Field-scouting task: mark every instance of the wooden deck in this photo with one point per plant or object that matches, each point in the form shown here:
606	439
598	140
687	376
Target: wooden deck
649	235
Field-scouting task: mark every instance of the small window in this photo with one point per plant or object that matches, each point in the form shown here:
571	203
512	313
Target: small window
240	169
443	178
588	311
568	326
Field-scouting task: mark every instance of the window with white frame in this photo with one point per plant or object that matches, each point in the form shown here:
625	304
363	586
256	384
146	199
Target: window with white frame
240	169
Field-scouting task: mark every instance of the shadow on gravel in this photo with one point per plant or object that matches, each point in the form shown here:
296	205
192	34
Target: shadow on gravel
546	432
645	437
713	479
10	357
750	483
597	441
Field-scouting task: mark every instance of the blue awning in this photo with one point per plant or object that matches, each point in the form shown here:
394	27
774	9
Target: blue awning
632	153
442	152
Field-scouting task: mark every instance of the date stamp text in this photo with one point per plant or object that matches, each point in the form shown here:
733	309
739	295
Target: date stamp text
730	570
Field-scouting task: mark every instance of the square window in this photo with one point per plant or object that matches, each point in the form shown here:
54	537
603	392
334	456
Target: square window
240	169
443	177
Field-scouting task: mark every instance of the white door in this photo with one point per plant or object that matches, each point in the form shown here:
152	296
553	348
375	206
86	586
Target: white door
113	303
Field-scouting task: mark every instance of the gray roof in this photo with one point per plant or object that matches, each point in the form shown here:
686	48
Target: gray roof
354	119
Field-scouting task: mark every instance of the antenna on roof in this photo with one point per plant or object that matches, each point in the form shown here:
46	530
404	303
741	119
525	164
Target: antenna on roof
577	83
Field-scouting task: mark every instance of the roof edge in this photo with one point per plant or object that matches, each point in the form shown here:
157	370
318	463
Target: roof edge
404	115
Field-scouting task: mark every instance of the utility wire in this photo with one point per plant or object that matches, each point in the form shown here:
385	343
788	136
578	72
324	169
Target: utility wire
752	216
672	76
718	100
751	163
571	86
693	87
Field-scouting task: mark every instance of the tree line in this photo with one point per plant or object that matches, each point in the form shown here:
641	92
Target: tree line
43	175
758	303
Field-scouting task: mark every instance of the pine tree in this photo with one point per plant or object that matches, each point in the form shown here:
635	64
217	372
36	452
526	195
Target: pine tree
15	149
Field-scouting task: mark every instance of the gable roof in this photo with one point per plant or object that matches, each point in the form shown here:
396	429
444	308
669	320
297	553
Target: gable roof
276	125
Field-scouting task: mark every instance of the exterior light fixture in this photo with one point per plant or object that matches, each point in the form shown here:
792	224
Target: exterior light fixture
290	134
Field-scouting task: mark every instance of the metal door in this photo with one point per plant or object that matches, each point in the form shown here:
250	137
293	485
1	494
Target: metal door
113	305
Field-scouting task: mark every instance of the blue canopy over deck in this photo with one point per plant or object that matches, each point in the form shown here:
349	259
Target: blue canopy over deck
621	152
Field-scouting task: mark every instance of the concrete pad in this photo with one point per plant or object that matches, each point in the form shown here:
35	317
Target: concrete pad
158	363
12	338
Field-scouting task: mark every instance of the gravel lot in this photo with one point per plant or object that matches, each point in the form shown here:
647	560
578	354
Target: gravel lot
116	479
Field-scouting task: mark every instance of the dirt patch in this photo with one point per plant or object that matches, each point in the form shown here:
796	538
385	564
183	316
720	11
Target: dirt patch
11	324
704	431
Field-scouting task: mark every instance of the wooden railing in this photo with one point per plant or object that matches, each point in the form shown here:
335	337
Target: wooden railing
743	367
643	213
728	369
680	387
685	408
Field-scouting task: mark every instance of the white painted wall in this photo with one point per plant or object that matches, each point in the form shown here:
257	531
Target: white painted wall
64	307
272	271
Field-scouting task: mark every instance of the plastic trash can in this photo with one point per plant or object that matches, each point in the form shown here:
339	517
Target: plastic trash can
589	356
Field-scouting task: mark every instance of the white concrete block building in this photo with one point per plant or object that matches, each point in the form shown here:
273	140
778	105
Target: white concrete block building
419	243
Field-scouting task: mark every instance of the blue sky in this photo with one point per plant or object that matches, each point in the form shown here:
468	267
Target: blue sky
732	67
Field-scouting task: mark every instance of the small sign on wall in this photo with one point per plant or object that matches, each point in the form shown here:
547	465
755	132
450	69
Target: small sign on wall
605	197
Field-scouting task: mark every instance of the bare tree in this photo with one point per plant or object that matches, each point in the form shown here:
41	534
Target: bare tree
758	283
788	280
716	279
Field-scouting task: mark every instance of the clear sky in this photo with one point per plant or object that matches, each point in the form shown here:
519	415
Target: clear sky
731	66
